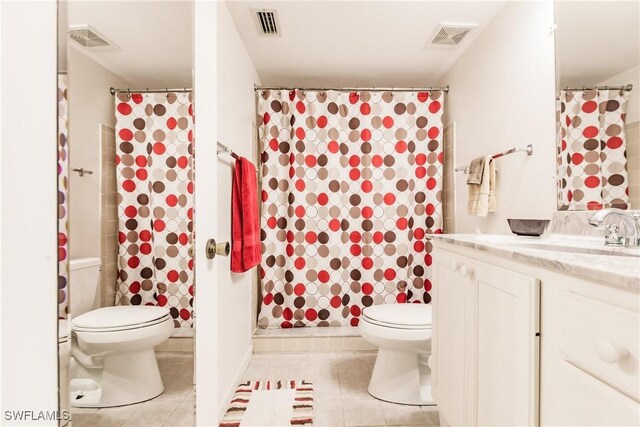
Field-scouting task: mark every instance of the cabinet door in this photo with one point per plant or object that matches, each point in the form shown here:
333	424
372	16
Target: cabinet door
449	340
506	344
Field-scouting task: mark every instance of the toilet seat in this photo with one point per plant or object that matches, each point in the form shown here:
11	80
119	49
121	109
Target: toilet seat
399	316
120	318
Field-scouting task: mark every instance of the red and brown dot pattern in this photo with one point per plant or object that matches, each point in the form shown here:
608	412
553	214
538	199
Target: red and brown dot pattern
592	160
351	187
63	194
154	144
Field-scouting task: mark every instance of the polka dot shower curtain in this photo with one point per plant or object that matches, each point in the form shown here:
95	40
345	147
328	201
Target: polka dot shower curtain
592	160
154	145
351	187
63	203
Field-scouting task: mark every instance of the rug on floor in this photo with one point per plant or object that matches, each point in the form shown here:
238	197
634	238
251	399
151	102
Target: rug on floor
265	403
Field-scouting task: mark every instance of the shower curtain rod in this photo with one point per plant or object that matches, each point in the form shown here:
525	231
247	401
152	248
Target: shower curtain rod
627	88
147	90
445	89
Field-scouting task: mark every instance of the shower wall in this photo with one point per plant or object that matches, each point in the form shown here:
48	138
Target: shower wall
90	107
108	217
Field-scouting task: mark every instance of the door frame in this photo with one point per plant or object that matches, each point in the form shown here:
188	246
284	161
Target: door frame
205	211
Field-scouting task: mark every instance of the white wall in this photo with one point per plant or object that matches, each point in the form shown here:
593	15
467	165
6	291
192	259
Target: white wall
632	75
502	95
29	367
236	124
90	104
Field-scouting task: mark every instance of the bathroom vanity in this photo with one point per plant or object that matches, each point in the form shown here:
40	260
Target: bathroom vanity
535	331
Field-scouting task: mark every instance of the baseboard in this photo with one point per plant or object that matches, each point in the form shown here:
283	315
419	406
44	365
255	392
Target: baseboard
234	383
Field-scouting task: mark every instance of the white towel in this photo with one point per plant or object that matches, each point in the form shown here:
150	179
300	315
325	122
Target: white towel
482	199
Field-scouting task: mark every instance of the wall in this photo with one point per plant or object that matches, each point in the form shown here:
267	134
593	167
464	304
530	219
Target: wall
236	118
28	215
502	95
108	217
632	129
90	105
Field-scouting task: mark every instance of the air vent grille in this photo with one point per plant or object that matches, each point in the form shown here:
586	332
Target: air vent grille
450	35
267	21
89	38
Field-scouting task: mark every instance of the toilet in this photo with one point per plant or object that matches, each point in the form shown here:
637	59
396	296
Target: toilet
64	354
402	333
112	348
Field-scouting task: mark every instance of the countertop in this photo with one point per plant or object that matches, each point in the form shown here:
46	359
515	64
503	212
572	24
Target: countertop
584	257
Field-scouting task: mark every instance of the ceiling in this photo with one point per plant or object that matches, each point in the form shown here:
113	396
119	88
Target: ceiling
153	39
596	40
357	43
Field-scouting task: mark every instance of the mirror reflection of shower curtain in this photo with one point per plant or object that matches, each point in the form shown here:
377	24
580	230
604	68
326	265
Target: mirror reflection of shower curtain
154	147
592	162
63	195
351	189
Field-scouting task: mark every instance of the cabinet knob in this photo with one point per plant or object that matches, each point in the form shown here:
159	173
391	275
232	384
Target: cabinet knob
610	352
457	266
466	271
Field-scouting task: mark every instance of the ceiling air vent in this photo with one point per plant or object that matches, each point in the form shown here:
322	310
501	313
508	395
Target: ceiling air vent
88	37
451	34
267	21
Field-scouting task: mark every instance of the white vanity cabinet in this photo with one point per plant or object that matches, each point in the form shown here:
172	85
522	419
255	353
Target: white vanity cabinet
518	341
485	343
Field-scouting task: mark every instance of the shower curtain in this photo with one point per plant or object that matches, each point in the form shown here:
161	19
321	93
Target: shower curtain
63	194
592	158
351	187
154	146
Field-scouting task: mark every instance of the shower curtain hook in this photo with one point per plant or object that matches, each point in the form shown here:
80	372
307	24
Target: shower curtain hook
147	90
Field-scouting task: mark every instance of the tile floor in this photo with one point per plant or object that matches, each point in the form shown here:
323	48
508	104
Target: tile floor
173	408
340	382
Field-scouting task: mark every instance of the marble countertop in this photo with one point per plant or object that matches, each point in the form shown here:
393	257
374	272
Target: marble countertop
585	257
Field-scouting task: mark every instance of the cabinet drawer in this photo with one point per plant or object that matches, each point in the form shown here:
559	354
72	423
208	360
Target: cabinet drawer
602	340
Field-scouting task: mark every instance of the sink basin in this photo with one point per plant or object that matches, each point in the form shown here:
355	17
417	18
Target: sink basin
607	250
557	243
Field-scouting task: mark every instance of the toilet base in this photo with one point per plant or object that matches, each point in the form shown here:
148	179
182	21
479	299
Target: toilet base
401	377
124	379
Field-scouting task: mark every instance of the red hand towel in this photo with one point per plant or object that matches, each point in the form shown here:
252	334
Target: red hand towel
245	252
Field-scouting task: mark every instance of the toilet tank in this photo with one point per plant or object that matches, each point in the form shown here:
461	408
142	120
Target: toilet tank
84	279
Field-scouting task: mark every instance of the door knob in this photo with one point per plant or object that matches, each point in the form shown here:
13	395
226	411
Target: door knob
212	248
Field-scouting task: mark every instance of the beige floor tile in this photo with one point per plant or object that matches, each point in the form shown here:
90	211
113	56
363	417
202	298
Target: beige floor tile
403	415
432	415
183	416
150	414
355	389
326	389
328	413
359	413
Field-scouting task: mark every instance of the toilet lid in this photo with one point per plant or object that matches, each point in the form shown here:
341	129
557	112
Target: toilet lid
124	316
399	315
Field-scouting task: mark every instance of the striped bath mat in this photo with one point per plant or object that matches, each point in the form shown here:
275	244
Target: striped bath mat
266	403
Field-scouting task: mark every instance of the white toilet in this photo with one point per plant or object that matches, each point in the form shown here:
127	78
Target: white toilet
113	361
64	354
402	333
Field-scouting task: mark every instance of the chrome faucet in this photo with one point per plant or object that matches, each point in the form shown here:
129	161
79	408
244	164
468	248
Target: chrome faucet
623	231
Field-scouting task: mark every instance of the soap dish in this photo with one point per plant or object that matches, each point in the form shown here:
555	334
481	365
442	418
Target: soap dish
528	227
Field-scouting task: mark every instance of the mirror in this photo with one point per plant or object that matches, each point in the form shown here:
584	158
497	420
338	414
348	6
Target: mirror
125	193
598	113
